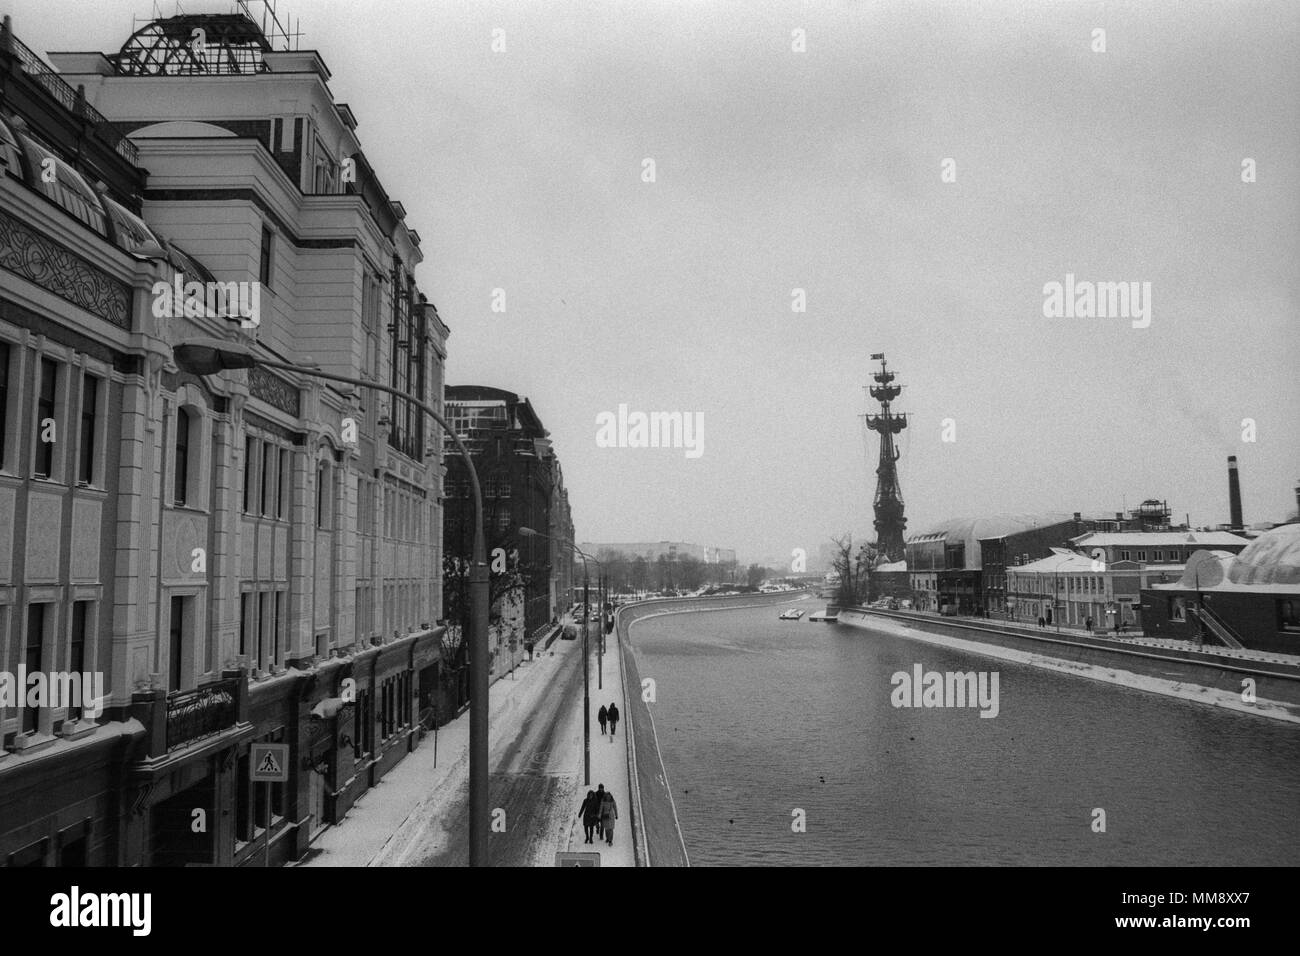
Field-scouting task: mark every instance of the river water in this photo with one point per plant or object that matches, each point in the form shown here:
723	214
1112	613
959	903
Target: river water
759	718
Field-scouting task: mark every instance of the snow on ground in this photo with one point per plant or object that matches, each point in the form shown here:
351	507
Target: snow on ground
1158	685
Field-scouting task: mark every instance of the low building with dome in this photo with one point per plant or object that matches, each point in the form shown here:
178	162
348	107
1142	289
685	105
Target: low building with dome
1251	599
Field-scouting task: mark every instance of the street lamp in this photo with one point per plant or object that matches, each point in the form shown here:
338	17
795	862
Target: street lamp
586	629
210	356
1056	580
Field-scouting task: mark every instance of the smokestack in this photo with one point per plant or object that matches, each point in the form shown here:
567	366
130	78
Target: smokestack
1234	494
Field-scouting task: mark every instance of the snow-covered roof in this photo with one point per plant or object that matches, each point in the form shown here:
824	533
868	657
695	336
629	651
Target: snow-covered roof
1061	561
1156	539
1269	565
891	566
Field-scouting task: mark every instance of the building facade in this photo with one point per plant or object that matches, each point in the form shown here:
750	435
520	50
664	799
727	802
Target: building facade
256	553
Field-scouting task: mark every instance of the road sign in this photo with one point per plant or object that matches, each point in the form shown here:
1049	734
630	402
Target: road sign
577	859
269	762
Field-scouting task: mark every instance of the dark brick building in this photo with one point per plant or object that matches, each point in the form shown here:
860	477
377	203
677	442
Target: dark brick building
519	475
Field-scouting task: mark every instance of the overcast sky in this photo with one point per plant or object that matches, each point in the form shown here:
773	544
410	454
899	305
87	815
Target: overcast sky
821	170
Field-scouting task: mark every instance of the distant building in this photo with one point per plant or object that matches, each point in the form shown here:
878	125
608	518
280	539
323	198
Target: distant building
1102	575
945	564
671	550
1252	598
521	484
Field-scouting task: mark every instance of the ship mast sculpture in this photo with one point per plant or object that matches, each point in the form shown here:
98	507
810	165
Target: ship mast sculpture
890	521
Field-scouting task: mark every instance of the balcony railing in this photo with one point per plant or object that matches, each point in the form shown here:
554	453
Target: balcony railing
71	99
201	713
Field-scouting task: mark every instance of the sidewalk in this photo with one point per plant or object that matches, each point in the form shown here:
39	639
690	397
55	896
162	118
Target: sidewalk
608	764
416	788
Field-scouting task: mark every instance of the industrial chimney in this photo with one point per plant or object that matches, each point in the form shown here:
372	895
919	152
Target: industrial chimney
1234	495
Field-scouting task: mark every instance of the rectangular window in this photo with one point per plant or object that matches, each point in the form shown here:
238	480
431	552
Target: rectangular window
1288	615
181	466
77	649
1142	555
45	406
261	625
251	446
1157	555
264	259
322	495
177	643
245	621
278	628
89	416
1124	555
34	659
4	400
286	474
268	478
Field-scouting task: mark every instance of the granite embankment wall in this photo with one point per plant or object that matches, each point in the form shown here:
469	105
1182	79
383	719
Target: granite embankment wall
1273	681
655	827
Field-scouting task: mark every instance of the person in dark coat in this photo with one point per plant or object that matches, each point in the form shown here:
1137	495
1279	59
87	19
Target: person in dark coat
590	813
602	715
608	814
600	802
613	717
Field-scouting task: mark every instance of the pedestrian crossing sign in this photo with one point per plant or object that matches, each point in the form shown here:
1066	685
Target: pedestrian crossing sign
269	763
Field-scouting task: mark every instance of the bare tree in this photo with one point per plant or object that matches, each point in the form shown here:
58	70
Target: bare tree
852	571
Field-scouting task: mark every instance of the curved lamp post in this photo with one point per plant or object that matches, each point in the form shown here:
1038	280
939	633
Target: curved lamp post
210	356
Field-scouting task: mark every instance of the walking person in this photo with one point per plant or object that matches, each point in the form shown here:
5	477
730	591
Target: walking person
613	717
608	814
602	715
600	803
590	813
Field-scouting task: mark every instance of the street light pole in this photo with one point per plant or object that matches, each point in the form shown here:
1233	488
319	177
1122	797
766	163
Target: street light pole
210	356
586	631
586	675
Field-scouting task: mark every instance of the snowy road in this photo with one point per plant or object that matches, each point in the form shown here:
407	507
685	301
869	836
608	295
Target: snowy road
533	783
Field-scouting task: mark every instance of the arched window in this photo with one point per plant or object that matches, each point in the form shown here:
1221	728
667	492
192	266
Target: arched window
181	473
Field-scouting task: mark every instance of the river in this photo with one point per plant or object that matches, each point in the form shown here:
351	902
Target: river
759	719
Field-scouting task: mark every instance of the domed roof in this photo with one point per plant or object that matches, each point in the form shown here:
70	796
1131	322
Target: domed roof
1206	569
971	530
1272	558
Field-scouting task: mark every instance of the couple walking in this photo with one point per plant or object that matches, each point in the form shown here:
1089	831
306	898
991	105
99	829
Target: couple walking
610	714
598	812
